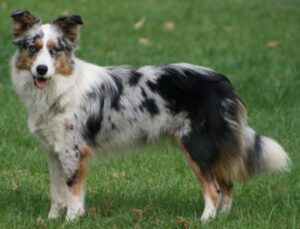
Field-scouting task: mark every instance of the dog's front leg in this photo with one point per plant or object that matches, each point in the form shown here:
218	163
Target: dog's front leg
74	163
58	187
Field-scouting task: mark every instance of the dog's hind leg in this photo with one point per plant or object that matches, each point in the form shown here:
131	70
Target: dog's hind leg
210	187
227	196
58	187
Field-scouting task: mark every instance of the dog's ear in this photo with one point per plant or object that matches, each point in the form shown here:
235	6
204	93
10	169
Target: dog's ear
69	25
22	22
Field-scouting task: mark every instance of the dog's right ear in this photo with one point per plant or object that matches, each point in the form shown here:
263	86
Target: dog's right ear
22	22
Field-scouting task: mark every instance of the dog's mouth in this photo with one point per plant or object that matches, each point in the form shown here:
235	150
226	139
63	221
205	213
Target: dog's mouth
41	83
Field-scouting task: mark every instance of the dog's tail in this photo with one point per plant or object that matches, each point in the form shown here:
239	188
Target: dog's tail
247	153
263	154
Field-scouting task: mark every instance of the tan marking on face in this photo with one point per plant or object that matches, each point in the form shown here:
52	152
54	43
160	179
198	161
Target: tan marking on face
62	64
51	44
38	43
78	187
24	61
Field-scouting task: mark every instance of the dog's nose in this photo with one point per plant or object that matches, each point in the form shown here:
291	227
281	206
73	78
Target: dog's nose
42	69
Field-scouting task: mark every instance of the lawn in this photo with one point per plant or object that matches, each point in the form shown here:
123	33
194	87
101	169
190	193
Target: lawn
255	43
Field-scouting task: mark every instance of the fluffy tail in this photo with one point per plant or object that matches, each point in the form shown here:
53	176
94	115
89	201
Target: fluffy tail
263	154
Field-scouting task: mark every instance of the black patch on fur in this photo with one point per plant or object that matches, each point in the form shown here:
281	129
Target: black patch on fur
134	78
73	18
151	106
77	152
93	122
254	153
141	108
208	146
19	13
144	94
189	90
71	180
76	147
199	94
152	86
115	97
202	149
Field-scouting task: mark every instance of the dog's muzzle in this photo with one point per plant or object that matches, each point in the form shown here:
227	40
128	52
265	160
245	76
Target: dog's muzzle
41	81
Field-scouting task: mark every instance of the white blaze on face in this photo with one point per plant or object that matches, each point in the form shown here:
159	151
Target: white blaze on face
44	58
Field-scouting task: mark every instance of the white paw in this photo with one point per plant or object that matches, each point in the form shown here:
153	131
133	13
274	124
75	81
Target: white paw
53	215
210	210
55	211
207	215
73	214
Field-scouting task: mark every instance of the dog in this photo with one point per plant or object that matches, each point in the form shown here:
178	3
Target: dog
76	108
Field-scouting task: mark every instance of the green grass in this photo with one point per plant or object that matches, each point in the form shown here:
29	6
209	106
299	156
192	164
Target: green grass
150	189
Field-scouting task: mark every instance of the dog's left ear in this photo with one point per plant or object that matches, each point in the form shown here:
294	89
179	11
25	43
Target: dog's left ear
69	25
22	22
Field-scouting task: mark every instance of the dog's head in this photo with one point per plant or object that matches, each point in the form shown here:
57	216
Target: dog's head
45	50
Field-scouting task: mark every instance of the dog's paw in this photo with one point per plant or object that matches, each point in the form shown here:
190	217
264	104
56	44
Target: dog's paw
73	214
53	214
55	211
207	215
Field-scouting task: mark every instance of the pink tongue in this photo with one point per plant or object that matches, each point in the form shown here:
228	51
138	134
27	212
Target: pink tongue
41	83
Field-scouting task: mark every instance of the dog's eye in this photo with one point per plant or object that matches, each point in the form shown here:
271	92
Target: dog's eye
32	49
53	51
